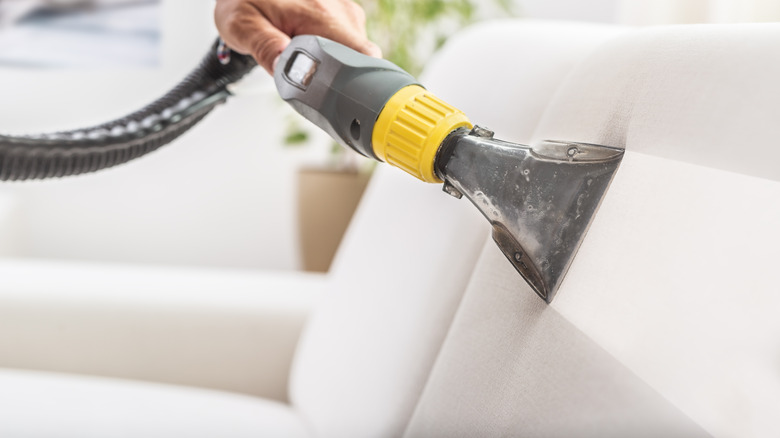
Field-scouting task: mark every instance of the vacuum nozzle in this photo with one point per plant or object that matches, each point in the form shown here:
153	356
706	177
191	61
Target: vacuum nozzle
539	200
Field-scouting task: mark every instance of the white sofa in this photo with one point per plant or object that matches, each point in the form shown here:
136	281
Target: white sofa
665	325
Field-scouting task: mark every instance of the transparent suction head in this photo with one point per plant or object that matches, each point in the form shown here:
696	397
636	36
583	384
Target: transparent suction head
540	200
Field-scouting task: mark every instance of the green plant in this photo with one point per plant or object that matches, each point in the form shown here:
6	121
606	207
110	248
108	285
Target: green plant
409	32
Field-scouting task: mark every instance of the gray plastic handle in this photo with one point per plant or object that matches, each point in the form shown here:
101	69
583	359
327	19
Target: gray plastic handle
338	89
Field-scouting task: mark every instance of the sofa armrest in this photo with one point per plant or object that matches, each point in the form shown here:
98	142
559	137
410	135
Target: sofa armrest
221	329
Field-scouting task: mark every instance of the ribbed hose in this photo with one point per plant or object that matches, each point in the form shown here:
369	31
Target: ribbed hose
87	150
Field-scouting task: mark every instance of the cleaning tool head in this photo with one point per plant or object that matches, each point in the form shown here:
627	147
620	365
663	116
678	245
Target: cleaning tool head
540	200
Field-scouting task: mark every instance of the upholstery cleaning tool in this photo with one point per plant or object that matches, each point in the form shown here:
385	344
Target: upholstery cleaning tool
539	199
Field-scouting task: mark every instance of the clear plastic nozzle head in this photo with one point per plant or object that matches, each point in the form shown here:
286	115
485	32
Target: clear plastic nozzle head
540	200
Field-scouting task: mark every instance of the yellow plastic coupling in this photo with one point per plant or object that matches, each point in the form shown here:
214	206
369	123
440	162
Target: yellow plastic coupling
410	129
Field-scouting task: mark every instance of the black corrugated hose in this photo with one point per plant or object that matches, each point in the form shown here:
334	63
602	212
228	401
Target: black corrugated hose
87	150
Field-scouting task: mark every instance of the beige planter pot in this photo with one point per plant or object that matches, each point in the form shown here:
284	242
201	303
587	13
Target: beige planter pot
326	201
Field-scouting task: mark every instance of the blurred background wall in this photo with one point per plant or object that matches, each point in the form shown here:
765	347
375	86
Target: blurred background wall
224	194
218	197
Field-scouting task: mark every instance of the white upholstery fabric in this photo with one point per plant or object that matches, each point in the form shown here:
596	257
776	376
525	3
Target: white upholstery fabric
510	365
673	296
407	258
503	74
678	278
221	329
665	325
701	94
513	366
46	405
366	353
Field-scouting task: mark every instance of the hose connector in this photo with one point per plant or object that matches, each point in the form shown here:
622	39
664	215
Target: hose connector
410	129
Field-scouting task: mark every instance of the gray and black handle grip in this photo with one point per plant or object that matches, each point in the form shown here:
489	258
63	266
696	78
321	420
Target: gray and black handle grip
338	89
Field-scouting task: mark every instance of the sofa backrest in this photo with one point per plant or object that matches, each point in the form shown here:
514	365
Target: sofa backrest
409	254
666	324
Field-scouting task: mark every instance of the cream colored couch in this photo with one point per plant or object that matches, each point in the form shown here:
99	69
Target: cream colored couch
666	324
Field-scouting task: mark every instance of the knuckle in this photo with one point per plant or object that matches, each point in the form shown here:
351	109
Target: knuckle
357	11
318	7
233	20
230	23
265	49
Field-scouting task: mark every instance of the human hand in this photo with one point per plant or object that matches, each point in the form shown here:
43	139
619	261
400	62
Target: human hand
263	28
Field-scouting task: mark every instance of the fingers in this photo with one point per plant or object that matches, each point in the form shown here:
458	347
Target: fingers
352	40
373	50
246	30
262	28
342	21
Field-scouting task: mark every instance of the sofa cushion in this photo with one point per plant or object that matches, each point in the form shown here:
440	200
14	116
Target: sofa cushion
225	329
50	405
514	366
667	318
677	278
